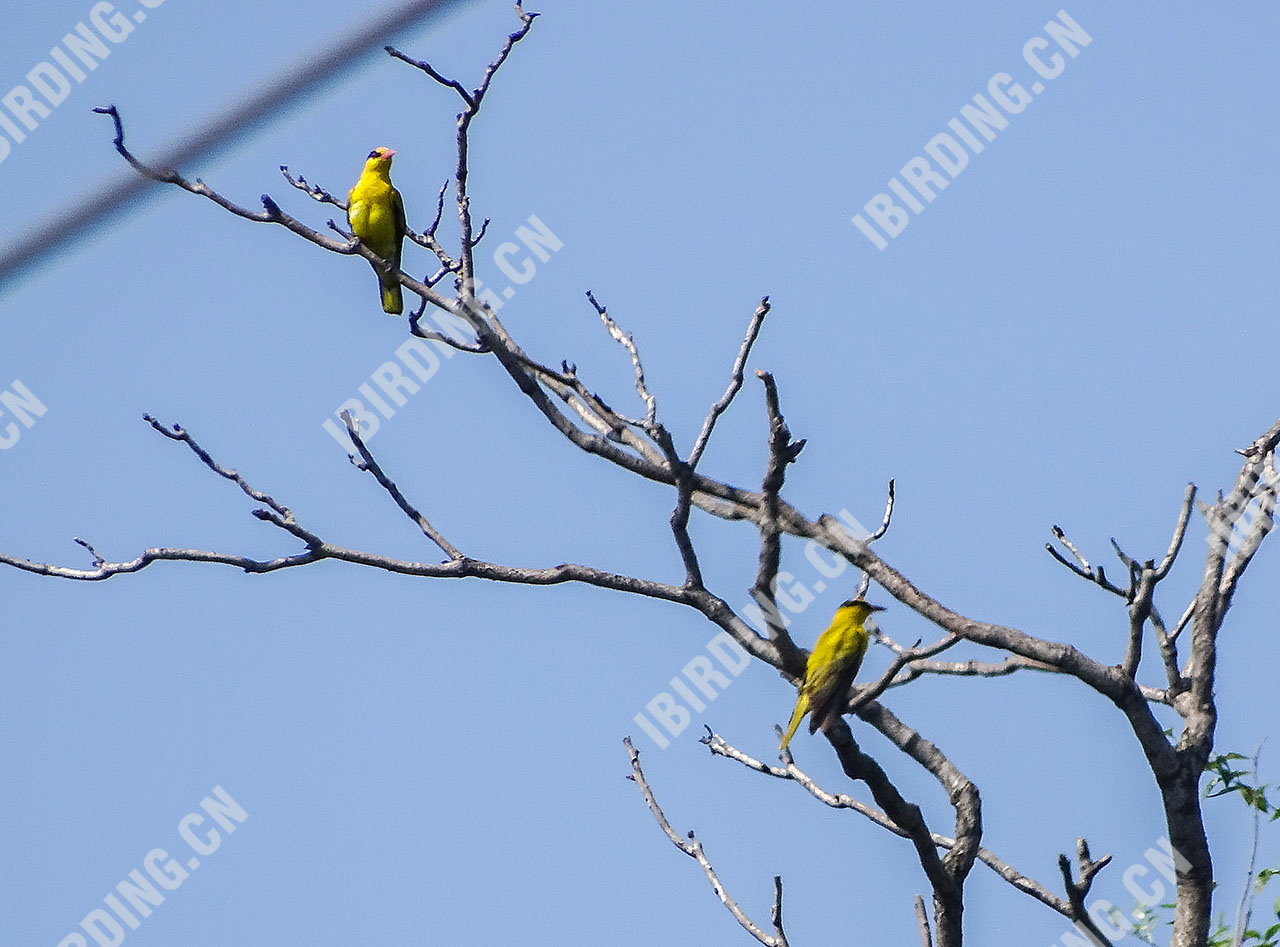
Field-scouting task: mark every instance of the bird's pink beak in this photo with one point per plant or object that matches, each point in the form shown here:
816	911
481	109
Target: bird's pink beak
389	152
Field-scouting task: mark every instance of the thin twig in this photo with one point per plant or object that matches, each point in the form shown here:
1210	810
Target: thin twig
1129	563
888	516
926	936
435	222
368	463
693	848
1078	890
276	513
1182	622
1244	910
1085	570
790	771
472	101
627	342
869	692
478	347
526	22
313	191
735	384
681	472
484	228
864	581
426	67
97	559
1179	532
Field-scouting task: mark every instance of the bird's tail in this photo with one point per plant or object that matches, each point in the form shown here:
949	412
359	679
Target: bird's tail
392	298
802	707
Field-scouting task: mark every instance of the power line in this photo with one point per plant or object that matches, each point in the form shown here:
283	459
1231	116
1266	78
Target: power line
94	208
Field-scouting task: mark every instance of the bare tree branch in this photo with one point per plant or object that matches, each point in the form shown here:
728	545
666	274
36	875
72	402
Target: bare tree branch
680	470
926	936
478	347
1012	663
885	520
1084	569
1139	611
1179	533
735	384
1077	891
650	421
276	513
435	221
526	21
484	228
693	848
782	451
960	790
430	70
775	915
367	462
97	559
946	877
888	678
1264	492
311	190
971	668
865	582
790	771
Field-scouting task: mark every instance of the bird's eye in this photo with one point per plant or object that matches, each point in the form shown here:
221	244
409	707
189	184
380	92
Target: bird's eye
374	153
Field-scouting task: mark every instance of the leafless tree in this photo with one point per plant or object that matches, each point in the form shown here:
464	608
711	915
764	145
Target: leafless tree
642	446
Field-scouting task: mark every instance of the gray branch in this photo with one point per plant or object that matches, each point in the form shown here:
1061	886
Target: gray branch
690	846
735	384
790	771
1078	890
367	462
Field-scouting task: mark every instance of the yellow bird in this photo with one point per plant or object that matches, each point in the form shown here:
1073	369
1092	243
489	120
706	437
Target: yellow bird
376	215
832	667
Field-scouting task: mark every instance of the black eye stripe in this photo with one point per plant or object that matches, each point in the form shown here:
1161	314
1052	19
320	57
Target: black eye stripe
374	153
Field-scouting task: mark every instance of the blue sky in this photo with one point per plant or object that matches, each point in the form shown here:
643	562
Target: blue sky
1076	327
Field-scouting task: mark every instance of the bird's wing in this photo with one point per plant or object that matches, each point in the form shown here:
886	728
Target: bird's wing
397	205
827	701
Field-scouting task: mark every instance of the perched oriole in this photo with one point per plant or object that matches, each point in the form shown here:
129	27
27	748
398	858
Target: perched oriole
832	666
376	215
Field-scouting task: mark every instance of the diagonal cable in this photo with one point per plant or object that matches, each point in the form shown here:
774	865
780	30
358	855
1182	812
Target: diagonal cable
325	66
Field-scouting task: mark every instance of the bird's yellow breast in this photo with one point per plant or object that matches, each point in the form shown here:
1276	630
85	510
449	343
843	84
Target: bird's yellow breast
371	213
